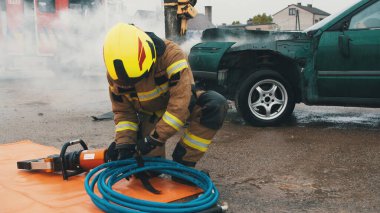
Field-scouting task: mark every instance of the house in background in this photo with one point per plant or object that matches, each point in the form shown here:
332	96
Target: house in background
250	26
151	20
201	21
264	27
298	17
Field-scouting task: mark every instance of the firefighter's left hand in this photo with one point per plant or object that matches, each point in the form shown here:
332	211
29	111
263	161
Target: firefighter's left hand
148	144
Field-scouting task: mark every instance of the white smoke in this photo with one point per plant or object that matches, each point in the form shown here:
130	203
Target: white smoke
78	37
73	77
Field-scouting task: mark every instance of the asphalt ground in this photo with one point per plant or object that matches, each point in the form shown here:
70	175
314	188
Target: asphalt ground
325	159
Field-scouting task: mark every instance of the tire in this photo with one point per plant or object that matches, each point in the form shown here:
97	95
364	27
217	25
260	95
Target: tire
265	98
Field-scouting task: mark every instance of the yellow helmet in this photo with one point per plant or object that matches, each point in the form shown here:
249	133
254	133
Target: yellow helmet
129	54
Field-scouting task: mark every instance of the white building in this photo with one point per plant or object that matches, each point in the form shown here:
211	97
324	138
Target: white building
287	19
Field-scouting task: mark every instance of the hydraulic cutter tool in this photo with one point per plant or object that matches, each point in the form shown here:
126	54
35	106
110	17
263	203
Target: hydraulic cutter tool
70	163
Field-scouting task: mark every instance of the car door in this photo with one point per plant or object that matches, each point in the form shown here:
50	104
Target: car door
348	58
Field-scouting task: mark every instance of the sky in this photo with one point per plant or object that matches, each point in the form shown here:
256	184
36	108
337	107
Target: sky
227	11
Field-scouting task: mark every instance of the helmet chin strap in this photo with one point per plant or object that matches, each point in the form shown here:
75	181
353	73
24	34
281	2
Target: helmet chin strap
158	43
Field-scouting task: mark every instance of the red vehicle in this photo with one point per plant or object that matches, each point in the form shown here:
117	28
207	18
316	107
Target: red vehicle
46	15
55	29
1	26
25	30
14	22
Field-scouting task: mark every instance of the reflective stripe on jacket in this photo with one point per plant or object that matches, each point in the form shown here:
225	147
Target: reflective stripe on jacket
167	89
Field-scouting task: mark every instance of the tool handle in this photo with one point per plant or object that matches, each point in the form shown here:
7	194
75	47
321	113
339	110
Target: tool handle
77	141
65	174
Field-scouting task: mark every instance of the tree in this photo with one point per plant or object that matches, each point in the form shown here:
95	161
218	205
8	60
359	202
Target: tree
235	22
261	19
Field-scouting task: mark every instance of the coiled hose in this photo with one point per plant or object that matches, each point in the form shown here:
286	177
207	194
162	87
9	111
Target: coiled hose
106	175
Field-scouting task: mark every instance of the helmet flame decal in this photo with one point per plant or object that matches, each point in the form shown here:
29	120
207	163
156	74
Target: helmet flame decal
142	55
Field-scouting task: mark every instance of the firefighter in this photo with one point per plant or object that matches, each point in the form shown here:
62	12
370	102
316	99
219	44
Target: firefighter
151	87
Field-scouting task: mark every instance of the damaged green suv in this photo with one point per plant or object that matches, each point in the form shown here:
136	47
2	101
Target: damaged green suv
335	62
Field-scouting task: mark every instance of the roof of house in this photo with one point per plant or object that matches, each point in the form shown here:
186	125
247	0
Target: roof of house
199	22
308	8
234	26
145	14
260	24
313	10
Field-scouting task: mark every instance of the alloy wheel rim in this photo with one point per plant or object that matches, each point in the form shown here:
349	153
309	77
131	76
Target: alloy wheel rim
267	99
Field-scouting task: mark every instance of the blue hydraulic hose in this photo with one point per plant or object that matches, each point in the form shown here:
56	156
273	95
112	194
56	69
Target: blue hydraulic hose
106	175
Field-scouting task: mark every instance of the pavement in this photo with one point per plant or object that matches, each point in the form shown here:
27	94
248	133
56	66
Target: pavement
325	159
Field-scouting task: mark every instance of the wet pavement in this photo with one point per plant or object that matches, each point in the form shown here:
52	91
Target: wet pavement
325	159
336	117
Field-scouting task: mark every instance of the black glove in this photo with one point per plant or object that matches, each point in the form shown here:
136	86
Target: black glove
126	151
148	144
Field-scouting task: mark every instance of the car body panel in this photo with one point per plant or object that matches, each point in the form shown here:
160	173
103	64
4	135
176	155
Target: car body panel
207	56
336	65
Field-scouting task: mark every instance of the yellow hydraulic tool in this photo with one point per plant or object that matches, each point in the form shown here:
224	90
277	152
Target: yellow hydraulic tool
185	11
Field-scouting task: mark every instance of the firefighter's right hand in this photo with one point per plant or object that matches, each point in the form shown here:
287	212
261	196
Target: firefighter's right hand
126	151
148	144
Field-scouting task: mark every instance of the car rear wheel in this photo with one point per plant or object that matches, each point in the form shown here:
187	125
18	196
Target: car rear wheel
265	99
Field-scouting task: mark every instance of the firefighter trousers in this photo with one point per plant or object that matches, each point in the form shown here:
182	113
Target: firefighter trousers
206	118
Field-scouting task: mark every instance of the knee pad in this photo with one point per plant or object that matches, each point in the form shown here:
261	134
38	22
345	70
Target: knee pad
214	109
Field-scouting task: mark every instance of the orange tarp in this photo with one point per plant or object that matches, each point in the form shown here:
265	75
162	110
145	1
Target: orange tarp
26	191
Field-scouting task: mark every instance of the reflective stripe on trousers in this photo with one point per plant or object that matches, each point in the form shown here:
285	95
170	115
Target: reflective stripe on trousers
126	125
195	142
172	121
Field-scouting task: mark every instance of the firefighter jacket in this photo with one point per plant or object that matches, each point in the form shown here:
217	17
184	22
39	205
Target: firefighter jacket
165	93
